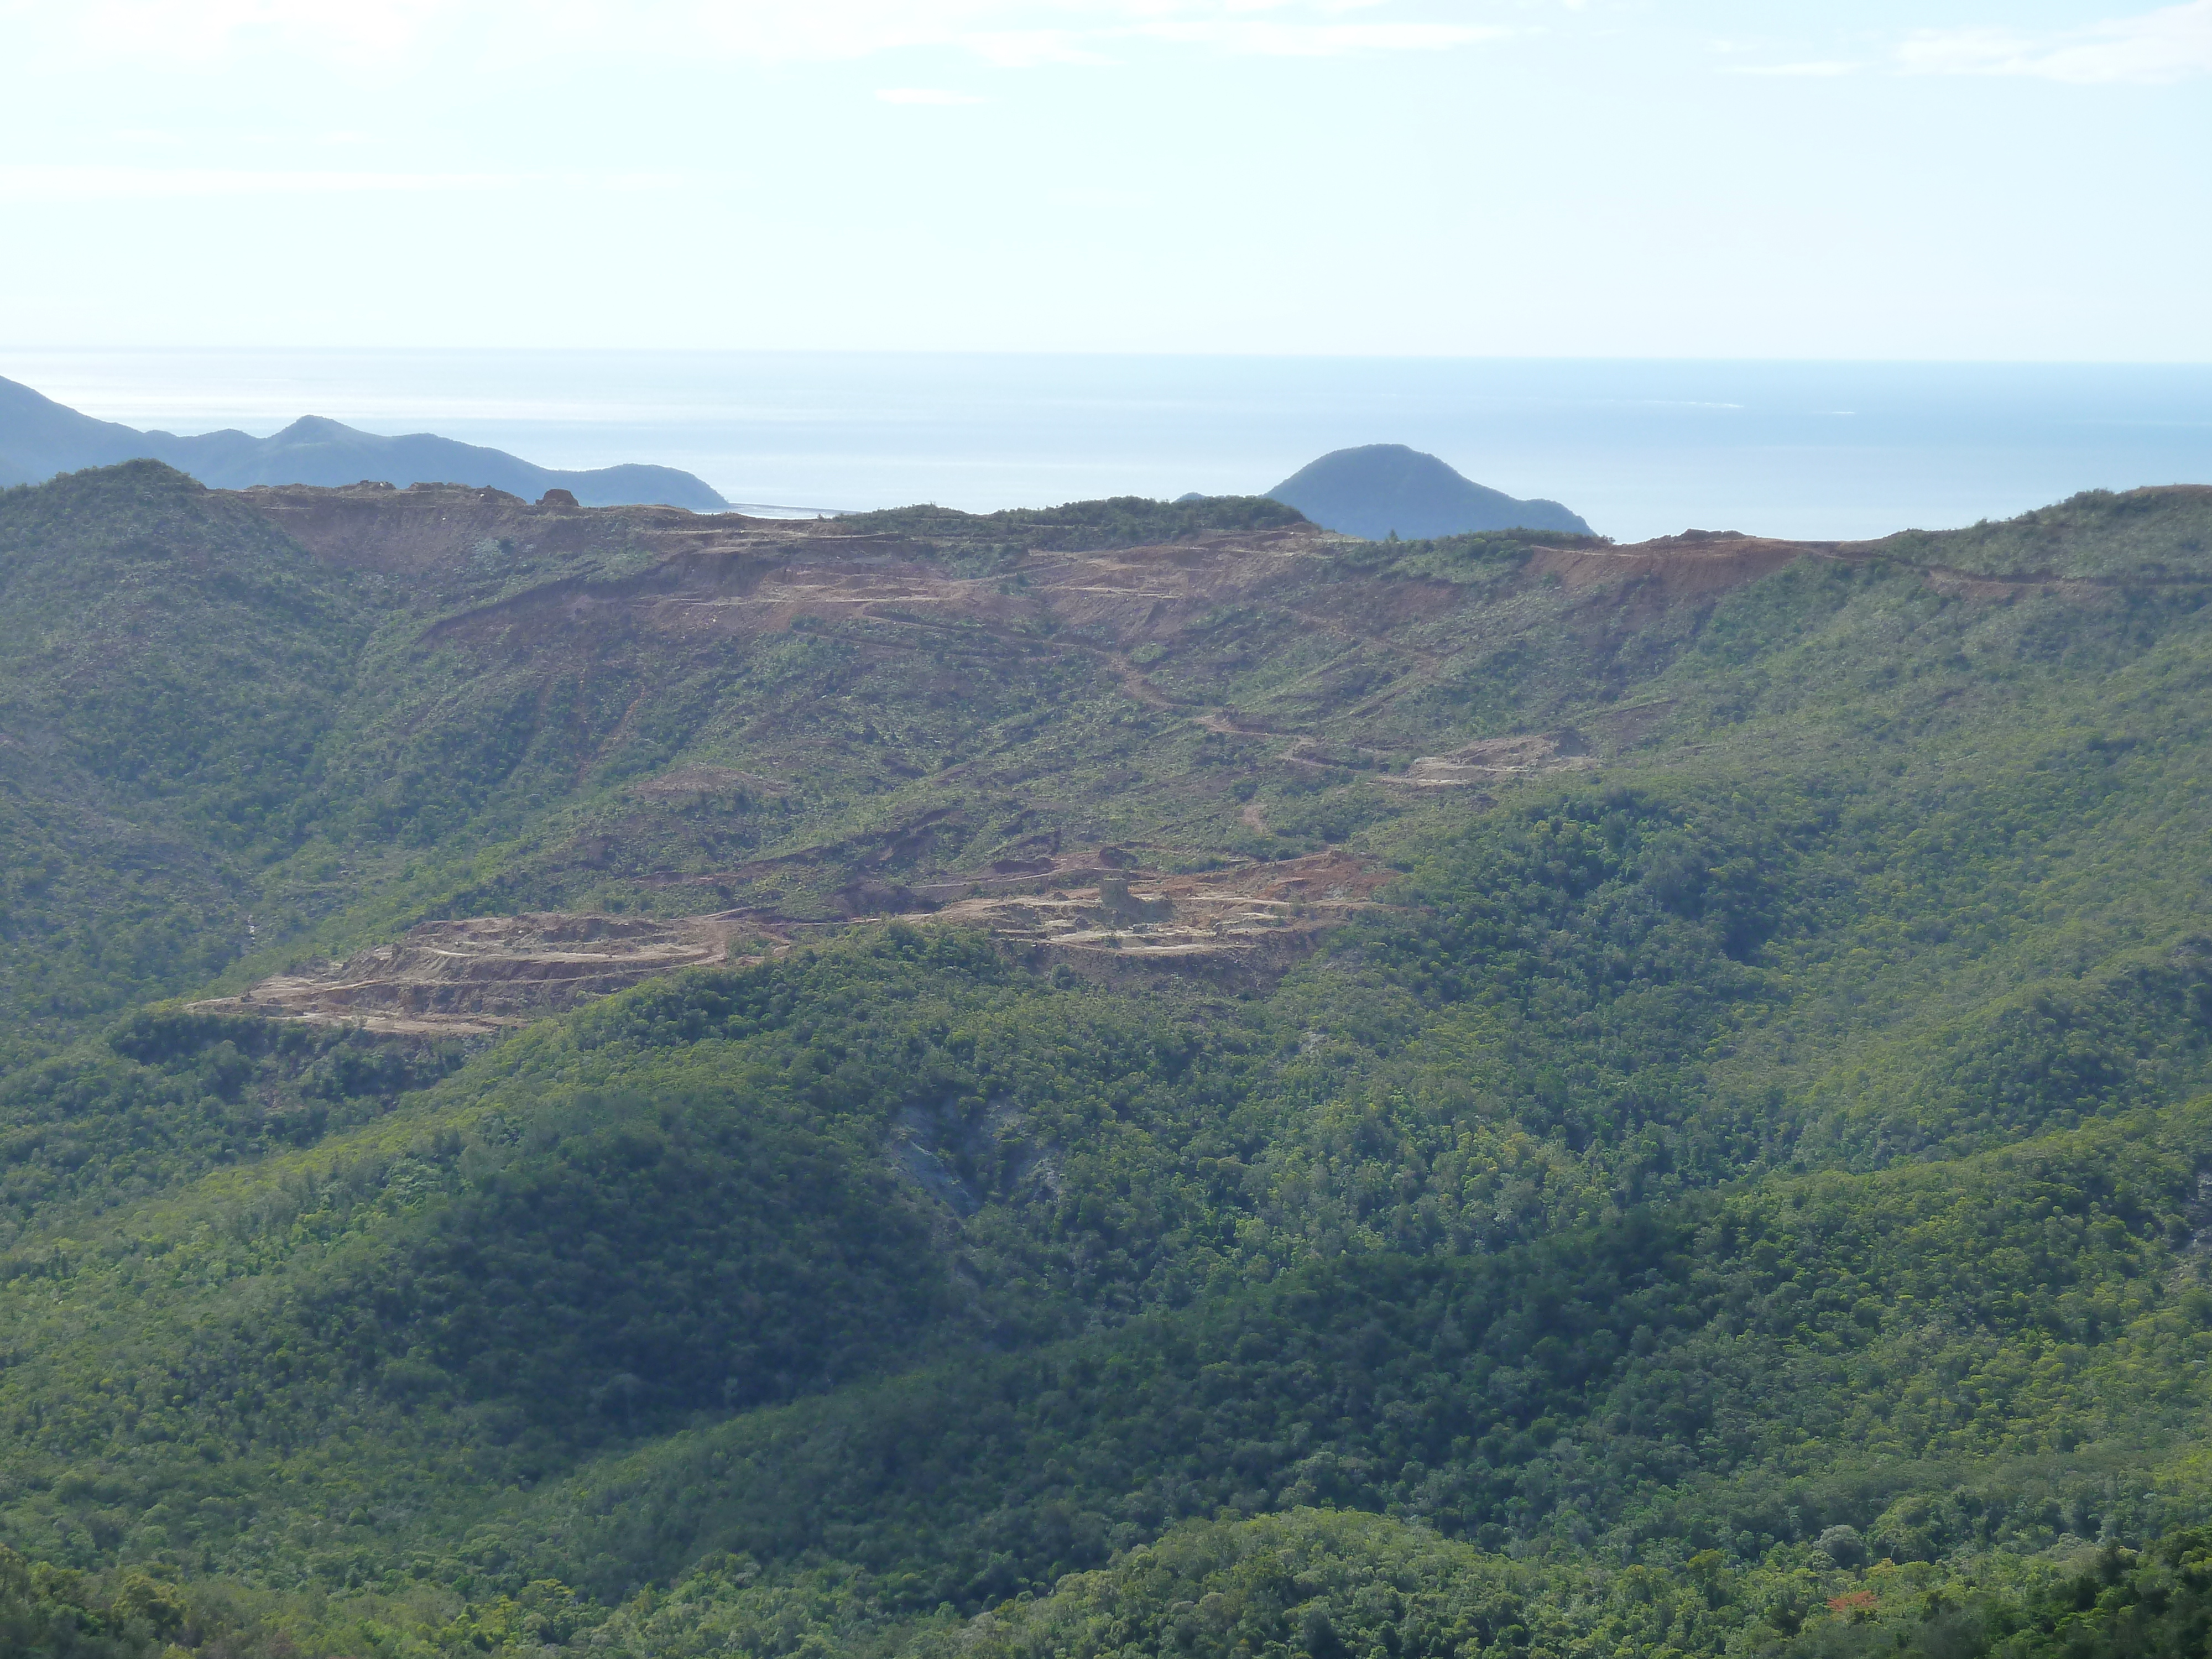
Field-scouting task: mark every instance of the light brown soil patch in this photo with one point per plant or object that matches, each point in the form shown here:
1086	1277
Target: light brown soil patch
1692	565
699	782
1494	760
1239	926
487	974
409	532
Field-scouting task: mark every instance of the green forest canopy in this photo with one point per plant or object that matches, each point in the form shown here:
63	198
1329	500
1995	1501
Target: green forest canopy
1744	1196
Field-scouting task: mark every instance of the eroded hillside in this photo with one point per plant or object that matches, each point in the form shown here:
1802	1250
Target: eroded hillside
639	711
805	721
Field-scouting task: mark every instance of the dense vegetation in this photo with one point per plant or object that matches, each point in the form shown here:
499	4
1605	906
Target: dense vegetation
1743	1195
1328	1583
1119	521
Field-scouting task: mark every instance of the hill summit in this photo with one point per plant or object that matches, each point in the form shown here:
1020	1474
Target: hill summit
39	437
1376	488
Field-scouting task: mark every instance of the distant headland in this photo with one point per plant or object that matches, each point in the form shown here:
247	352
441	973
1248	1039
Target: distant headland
1378	489
39	437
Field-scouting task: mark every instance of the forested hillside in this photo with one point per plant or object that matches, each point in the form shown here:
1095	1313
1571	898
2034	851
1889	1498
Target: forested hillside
1251	1093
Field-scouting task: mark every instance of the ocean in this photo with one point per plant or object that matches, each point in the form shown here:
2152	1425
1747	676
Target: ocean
1819	450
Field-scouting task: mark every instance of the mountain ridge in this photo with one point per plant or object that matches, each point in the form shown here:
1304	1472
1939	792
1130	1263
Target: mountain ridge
41	438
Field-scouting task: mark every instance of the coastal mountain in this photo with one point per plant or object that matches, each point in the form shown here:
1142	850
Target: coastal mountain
1377	489
1134	1080
39	437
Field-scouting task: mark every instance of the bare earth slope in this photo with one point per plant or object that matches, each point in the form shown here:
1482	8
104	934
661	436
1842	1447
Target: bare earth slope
790	724
545	710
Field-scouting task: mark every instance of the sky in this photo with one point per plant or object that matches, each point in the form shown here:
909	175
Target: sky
1886	180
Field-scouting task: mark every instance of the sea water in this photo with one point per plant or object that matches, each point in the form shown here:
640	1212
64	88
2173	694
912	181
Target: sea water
1638	447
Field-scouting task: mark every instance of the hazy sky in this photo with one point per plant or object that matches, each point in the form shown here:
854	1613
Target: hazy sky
1894	179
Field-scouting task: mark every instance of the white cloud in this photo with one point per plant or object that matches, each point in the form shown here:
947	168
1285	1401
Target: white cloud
2158	47
1029	48
937	96
1095	199
778	30
1012	33
198	29
1273	39
1005	32
1823	67
93	184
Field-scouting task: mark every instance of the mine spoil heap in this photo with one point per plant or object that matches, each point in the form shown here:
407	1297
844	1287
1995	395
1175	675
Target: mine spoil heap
477	976
1250	918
